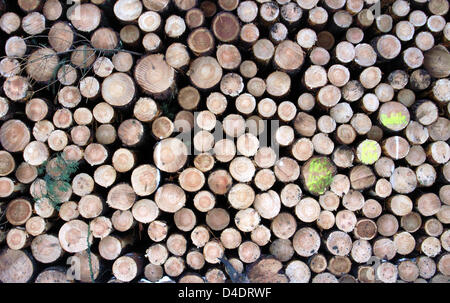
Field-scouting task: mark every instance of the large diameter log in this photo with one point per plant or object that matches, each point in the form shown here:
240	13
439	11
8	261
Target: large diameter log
118	89
73	236
16	266
155	76
226	27
86	17
437	61
41	64
170	155
205	72
121	196
317	174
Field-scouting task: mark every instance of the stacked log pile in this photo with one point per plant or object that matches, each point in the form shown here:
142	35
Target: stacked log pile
229	140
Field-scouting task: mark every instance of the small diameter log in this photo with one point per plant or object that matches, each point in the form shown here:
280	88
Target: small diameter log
90	206
95	154
266	270
201	41
16	88
339	265
103	112
194	18
18	211
105	175
298	272
36	226
361	251
264	179
315	77
242	169
33	23
188	97
339	243
153	272
10	22
263	50
249	252
362	177
7	163
368	152
428	204
128	267
265	157
130	35
212	251
284	225
256	86
267	108
151	42
204	162
302	149
319	56
149	21
403	180
249	34
195	259
185	219
122	61
278	84
101	227
170	198
157	230
145	211
17	239
306	242
200	236
9	67
217	219
411	222
127	10
69	211
267	204
231	84
287	111
317	263
431	62
204	201
404	243
230	238
345	220
261	235
433	227
176	244
387	225
146	109
307	210
329	201
52	274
